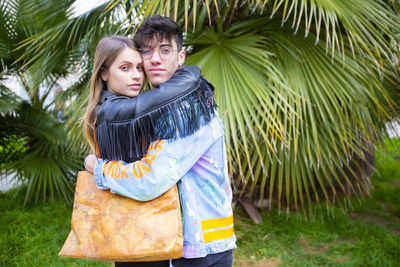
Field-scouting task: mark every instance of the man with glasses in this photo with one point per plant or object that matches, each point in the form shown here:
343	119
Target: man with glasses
161	42
191	149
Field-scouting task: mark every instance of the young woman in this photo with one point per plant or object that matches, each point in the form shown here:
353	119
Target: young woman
117	72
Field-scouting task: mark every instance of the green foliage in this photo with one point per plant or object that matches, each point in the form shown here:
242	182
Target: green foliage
312	122
8	100
385	200
301	85
20	20
11	147
388	157
47	165
36	147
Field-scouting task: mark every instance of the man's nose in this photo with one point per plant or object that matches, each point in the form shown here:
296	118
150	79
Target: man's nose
155	58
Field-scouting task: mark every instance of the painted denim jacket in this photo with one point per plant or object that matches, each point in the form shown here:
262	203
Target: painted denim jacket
198	164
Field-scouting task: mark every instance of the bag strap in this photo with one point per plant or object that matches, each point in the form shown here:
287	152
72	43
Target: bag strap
97	152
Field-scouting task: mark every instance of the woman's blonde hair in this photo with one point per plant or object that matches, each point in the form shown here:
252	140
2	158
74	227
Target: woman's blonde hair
107	51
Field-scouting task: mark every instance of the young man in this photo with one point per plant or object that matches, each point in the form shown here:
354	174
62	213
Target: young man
191	150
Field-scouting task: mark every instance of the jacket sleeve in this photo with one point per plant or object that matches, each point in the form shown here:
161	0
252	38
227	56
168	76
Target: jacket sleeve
163	165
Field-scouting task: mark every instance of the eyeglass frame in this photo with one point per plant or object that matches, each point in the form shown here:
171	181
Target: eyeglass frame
148	56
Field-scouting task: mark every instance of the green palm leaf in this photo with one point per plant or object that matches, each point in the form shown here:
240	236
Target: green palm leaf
324	114
47	162
243	99
299	84
47	166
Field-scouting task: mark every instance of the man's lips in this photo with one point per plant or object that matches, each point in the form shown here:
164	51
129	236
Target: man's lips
157	69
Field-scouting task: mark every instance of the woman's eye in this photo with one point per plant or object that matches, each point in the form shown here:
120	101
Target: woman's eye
124	68
140	68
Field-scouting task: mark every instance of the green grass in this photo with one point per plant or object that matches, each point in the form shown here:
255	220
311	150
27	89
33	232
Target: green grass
33	235
368	235
342	241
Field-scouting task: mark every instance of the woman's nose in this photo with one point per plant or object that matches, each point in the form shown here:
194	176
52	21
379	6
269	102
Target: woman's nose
135	74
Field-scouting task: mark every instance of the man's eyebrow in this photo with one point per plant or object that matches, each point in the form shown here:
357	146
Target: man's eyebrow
149	46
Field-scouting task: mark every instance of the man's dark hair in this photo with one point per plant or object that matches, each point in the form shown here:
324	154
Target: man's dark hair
159	27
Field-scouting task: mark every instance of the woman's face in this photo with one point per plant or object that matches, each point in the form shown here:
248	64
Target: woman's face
125	75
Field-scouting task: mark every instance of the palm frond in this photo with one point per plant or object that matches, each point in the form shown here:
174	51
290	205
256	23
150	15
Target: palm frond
47	166
236	65
294	119
64	43
341	108
9	101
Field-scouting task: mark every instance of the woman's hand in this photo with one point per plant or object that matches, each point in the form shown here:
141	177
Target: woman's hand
90	162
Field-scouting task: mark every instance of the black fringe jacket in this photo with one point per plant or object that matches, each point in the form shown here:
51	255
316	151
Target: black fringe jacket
177	108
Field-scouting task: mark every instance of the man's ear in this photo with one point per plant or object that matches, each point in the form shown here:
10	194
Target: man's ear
181	57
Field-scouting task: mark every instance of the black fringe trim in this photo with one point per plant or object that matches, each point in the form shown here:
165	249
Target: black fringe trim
181	117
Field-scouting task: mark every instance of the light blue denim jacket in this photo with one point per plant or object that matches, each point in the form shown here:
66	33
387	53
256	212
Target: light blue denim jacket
198	164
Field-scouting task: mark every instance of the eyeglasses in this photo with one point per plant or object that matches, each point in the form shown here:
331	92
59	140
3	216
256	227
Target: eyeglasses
165	52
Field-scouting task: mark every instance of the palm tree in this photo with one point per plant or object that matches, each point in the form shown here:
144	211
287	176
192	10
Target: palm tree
299	85
34	142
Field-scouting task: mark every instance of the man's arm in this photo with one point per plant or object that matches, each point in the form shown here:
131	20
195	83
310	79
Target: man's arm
163	165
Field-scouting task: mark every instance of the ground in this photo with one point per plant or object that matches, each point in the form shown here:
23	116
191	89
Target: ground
365	235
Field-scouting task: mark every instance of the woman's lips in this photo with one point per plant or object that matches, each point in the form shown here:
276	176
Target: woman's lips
135	86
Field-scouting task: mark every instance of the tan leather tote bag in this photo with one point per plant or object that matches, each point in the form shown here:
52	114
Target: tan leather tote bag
107	226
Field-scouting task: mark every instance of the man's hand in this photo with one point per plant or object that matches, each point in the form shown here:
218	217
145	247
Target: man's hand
90	162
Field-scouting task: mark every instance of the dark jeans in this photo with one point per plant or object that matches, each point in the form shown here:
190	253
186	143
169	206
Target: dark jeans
143	264
222	259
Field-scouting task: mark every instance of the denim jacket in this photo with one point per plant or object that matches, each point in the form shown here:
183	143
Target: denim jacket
198	164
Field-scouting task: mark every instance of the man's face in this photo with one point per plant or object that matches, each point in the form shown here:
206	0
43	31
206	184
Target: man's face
161	59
